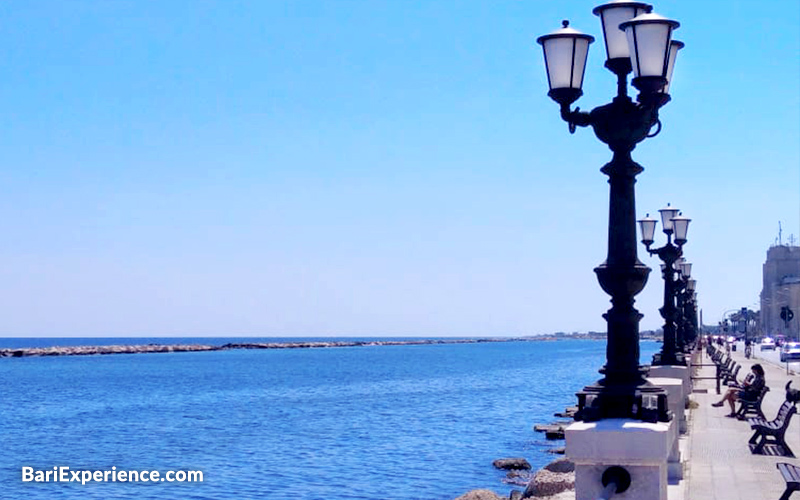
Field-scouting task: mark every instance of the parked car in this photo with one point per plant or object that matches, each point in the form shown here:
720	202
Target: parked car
767	344
790	351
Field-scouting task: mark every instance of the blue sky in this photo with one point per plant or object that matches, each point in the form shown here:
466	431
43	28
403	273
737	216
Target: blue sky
366	168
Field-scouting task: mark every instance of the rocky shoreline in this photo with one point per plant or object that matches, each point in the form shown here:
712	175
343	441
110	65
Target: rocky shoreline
554	481
89	350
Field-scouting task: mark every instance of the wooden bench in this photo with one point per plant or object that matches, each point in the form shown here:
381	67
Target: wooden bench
791	474
772	432
752	407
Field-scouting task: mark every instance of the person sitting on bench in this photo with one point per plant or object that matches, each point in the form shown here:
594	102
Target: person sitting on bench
749	389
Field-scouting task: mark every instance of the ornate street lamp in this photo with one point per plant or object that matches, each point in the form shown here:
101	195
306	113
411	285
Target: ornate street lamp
693	314
621	124
682	295
677	226
690	311
691	308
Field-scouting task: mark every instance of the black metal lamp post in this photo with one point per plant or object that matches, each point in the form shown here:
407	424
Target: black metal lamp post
638	41
684	272
691	309
678	225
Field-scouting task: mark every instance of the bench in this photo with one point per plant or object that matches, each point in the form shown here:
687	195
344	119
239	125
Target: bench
772	432
791	474
752	407
729	377
725	371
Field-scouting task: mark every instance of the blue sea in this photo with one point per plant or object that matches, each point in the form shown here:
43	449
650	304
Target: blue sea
421	422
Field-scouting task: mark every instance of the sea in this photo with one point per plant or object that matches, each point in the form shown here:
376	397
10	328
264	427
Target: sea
401	422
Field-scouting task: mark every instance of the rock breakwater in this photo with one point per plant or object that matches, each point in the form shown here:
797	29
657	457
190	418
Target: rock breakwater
157	348
88	350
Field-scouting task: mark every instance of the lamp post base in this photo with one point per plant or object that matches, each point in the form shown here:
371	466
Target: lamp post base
675	359
638	400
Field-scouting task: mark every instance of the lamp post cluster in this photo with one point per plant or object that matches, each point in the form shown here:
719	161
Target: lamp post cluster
673	270
638	41
687	306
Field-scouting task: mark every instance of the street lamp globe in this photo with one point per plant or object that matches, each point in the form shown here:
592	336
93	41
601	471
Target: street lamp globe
674	47
680	225
649	36
648	229
612	15
686	269
565	52
667	214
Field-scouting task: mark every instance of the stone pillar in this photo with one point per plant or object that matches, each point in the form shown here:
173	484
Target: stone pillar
641	448
676	398
674	371
675	401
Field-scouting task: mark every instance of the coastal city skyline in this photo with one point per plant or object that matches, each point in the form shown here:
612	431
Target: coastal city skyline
368	168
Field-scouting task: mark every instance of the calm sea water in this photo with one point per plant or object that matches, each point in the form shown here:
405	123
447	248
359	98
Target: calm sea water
393	422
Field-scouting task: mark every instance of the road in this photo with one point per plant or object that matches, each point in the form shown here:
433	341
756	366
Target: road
771	356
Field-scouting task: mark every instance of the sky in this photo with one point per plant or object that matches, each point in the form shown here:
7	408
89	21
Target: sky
367	167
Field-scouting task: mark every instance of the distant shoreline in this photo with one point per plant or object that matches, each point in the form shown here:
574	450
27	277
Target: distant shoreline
89	350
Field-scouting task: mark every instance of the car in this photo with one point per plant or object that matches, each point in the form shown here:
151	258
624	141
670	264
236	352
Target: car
767	344
790	351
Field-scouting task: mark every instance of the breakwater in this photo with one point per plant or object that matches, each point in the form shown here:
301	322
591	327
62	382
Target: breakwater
88	350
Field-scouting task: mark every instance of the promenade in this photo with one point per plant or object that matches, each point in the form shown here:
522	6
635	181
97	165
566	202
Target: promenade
718	462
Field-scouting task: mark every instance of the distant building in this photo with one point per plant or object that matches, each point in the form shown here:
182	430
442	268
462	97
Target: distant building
781	289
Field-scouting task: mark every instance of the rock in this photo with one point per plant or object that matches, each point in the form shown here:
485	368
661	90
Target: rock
569	412
560	465
546	483
517	473
518	477
515	495
511	463
552	431
557	451
555	434
480	495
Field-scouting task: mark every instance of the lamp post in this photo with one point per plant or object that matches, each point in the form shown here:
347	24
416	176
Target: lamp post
682	297
691	308
637	41
672	223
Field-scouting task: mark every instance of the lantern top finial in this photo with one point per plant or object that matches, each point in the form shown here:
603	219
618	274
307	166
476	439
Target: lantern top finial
565	32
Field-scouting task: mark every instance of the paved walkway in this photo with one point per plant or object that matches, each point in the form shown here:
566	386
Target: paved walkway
718	462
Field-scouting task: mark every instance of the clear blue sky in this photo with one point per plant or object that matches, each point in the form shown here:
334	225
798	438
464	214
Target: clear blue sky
368	168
